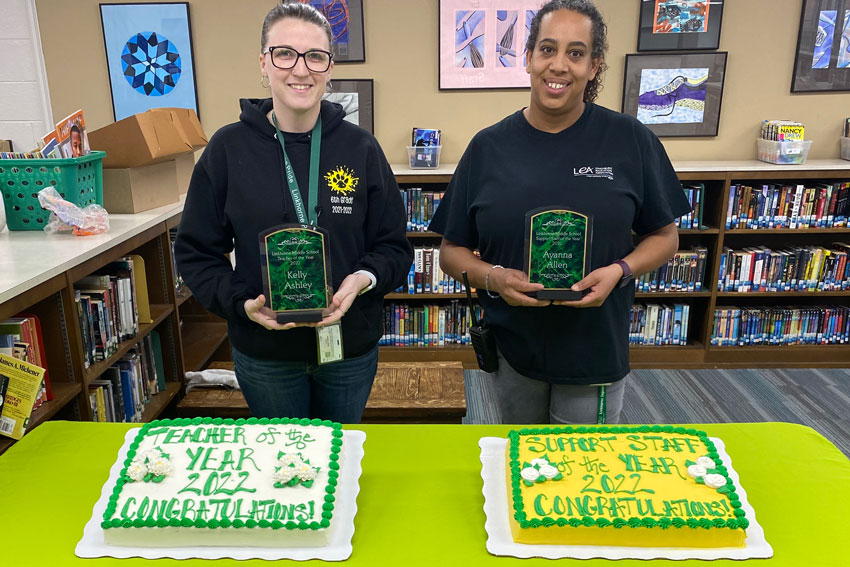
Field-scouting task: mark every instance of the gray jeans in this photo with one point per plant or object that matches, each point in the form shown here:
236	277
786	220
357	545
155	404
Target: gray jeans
523	400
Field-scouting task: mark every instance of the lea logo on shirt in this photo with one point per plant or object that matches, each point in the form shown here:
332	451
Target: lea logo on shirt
587	171
342	183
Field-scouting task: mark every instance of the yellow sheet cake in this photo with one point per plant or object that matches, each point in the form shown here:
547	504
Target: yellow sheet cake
641	486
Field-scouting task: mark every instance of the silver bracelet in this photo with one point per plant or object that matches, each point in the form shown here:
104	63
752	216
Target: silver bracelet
487	281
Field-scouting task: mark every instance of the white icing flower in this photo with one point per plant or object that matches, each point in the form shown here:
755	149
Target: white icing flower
706	462
696	471
160	466
283	475
150	456
539	462
137	471
307	474
549	471
715	480
530	474
287	460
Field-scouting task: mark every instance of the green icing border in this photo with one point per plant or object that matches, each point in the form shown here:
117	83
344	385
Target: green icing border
109	522
740	520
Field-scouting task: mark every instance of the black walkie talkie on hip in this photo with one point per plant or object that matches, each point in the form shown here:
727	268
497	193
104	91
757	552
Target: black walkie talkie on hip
483	341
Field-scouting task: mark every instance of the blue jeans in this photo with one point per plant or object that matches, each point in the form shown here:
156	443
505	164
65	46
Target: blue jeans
278	388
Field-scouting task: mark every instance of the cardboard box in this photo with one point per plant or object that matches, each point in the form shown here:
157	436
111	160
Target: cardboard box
136	189
185	167
150	137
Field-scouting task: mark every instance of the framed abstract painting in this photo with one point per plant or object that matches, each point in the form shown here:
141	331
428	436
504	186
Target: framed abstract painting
675	94
357	99
671	25
346	20
482	43
822	61
149	57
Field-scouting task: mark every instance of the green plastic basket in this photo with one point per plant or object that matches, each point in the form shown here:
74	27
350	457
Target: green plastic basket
77	180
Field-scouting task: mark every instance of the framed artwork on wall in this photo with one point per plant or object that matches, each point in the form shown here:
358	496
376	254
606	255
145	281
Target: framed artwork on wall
346	20
482	43
670	25
357	97
675	94
822	60
149	57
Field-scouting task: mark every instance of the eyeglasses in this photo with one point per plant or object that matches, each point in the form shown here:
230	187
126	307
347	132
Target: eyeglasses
317	60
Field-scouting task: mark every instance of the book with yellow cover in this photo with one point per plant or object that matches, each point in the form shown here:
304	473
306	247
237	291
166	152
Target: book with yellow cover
24	382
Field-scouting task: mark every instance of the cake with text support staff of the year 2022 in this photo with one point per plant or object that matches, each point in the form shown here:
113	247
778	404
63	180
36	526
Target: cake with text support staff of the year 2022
637	486
224	482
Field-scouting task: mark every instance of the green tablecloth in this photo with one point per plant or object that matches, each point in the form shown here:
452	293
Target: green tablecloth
420	499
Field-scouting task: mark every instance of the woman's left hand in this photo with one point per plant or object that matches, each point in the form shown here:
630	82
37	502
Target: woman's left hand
344	297
600	282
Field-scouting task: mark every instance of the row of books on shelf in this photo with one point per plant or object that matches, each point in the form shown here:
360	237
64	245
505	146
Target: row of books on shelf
426	275
68	139
122	391
695	195
685	271
794	268
781	325
782	130
825	205
653	324
110	305
420	206
427	325
21	338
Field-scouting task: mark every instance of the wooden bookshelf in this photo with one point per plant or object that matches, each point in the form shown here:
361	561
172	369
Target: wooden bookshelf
46	288
717	177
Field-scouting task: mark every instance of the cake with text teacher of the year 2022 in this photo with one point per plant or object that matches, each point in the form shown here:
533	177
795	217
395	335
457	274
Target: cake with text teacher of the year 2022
637	486
225	482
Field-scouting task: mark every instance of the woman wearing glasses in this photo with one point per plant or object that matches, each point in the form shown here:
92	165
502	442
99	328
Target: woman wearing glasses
259	173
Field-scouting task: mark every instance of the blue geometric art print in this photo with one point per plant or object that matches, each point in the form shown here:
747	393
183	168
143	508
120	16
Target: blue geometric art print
151	64
149	57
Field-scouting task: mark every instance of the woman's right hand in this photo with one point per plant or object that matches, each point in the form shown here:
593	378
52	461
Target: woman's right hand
257	312
513	285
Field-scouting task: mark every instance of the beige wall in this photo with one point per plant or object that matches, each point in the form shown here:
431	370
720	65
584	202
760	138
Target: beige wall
401	55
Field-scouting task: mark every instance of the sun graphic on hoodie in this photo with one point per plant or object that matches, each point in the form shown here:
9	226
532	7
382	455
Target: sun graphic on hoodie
341	180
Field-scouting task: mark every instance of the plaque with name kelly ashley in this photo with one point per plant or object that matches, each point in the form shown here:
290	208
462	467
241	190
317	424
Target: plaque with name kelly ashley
296	272
557	250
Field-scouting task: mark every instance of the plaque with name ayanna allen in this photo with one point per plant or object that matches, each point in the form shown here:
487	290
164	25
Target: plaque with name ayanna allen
296	272
557	250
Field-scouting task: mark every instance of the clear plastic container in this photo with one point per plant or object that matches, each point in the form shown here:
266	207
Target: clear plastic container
424	157
785	153
845	148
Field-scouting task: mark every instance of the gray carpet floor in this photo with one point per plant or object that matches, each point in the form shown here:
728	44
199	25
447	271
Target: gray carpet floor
818	398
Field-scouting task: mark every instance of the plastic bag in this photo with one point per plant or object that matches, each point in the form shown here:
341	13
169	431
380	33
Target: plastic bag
212	377
65	215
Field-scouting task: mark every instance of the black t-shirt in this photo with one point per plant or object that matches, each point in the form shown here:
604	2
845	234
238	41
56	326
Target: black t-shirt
607	164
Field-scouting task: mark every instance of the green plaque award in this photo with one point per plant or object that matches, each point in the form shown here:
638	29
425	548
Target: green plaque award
296	272
557	250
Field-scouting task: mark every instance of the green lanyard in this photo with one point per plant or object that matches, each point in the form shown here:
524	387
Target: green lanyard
313	186
602	406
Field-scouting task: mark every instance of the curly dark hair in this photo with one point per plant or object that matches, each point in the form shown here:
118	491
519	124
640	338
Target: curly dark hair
599	36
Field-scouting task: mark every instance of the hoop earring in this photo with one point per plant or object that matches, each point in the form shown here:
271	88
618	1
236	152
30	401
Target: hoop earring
266	85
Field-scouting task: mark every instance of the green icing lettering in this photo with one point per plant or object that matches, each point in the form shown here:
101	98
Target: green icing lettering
193	457
209	461
632	462
227	461
245	456
125	511
203	511
539	501
188	506
637	444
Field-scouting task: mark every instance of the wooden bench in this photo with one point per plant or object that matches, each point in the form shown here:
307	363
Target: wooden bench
403	392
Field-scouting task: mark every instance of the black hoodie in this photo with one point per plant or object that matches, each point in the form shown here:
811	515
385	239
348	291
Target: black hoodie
238	190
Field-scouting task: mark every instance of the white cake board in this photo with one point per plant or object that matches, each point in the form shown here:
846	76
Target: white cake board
500	542
337	549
